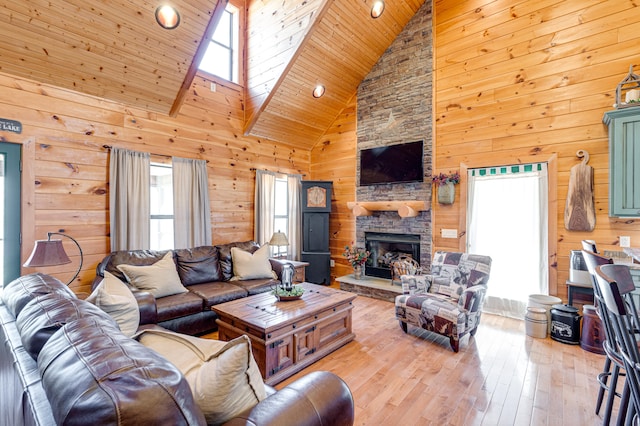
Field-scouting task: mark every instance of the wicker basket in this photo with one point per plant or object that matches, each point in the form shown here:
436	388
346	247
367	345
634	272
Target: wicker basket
404	265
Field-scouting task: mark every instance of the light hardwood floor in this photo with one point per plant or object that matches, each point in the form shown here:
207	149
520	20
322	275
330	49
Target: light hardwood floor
499	377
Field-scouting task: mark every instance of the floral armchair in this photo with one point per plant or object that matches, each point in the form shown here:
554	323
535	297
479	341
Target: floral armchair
449	300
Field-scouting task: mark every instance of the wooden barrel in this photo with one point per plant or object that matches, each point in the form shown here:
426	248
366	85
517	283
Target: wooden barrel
593	334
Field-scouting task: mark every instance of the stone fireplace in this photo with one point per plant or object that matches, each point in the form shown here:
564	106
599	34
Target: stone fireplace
386	248
394	106
412	235
388	235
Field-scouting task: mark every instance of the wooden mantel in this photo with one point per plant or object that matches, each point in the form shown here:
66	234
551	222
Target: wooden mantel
409	208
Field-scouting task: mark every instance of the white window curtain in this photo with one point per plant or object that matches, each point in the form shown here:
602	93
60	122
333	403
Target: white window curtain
294	233
129	199
265	210
265	196
507	220
192	213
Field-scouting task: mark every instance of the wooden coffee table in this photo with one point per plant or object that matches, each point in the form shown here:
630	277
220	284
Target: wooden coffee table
288	336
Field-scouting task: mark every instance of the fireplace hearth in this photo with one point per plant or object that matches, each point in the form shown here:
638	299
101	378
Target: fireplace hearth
386	248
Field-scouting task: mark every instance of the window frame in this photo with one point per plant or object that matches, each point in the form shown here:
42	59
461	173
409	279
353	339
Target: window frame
237	9
277	250
161	163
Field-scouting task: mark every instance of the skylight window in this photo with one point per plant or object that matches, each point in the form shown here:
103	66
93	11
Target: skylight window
222	56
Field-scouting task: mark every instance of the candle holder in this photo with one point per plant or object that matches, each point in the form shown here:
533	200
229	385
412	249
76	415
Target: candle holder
286	290
630	87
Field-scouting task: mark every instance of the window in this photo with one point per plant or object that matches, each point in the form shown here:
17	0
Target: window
161	208
281	214
222	57
504	202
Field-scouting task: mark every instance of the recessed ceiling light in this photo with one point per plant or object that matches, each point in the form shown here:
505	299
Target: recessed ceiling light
167	16
377	8
318	91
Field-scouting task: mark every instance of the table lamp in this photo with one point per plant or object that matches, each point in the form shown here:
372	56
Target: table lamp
51	253
279	239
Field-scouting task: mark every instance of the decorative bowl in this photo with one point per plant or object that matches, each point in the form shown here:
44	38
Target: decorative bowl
287	298
283	295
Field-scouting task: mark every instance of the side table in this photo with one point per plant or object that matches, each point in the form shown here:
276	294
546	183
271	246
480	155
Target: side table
299	269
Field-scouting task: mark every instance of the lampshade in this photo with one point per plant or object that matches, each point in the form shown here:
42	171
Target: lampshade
279	239
51	253
47	253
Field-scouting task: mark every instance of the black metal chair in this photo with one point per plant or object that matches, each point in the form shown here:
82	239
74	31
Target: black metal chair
614	282
613	368
589	245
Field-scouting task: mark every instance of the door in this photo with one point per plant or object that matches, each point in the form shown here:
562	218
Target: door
319	269
10	172
315	233
507	220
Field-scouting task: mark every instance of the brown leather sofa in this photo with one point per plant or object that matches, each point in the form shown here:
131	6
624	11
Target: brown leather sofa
64	361
205	271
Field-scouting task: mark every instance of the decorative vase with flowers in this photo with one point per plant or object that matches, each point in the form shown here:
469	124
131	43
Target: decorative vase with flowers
446	186
357	256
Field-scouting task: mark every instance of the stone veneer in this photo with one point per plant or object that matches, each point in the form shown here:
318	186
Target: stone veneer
394	106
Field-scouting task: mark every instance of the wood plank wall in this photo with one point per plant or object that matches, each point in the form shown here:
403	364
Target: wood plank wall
65	163
511	82
531	80
334	159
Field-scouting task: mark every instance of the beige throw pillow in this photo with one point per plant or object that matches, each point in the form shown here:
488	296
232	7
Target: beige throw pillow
115	298
251	266
224	377
160	279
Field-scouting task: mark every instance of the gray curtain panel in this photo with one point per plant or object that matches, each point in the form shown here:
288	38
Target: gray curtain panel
294	232
192	212
129	199
264	206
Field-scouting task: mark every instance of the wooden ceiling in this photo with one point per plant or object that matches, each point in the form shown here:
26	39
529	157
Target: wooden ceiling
340	46
115	50
110	49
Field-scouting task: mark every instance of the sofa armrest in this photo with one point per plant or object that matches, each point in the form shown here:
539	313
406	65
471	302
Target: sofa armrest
471	299
147	307
319	398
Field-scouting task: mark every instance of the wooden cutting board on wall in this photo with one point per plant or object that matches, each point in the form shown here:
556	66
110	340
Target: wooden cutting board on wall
580	212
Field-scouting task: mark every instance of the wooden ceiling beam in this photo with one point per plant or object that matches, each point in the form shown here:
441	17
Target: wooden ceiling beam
195	62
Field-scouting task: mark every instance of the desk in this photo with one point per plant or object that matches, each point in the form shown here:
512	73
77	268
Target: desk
581	288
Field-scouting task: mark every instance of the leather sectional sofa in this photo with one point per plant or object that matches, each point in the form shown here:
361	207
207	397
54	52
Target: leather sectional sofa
64	361
207	272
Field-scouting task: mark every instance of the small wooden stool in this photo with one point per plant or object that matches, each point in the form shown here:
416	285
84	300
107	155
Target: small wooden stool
573	287
593	334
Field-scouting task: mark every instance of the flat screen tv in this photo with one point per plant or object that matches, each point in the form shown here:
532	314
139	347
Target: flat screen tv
392	164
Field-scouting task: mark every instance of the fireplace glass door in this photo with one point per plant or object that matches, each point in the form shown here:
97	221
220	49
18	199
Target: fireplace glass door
386	248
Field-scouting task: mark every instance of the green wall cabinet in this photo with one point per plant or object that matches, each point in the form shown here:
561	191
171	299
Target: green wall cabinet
624	161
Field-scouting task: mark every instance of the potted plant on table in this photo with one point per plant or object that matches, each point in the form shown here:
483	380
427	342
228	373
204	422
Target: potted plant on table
357	256
446	186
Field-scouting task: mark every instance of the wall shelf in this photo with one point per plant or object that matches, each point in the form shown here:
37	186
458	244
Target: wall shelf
409	208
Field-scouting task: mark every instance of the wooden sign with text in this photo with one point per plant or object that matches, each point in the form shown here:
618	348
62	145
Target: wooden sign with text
10	125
